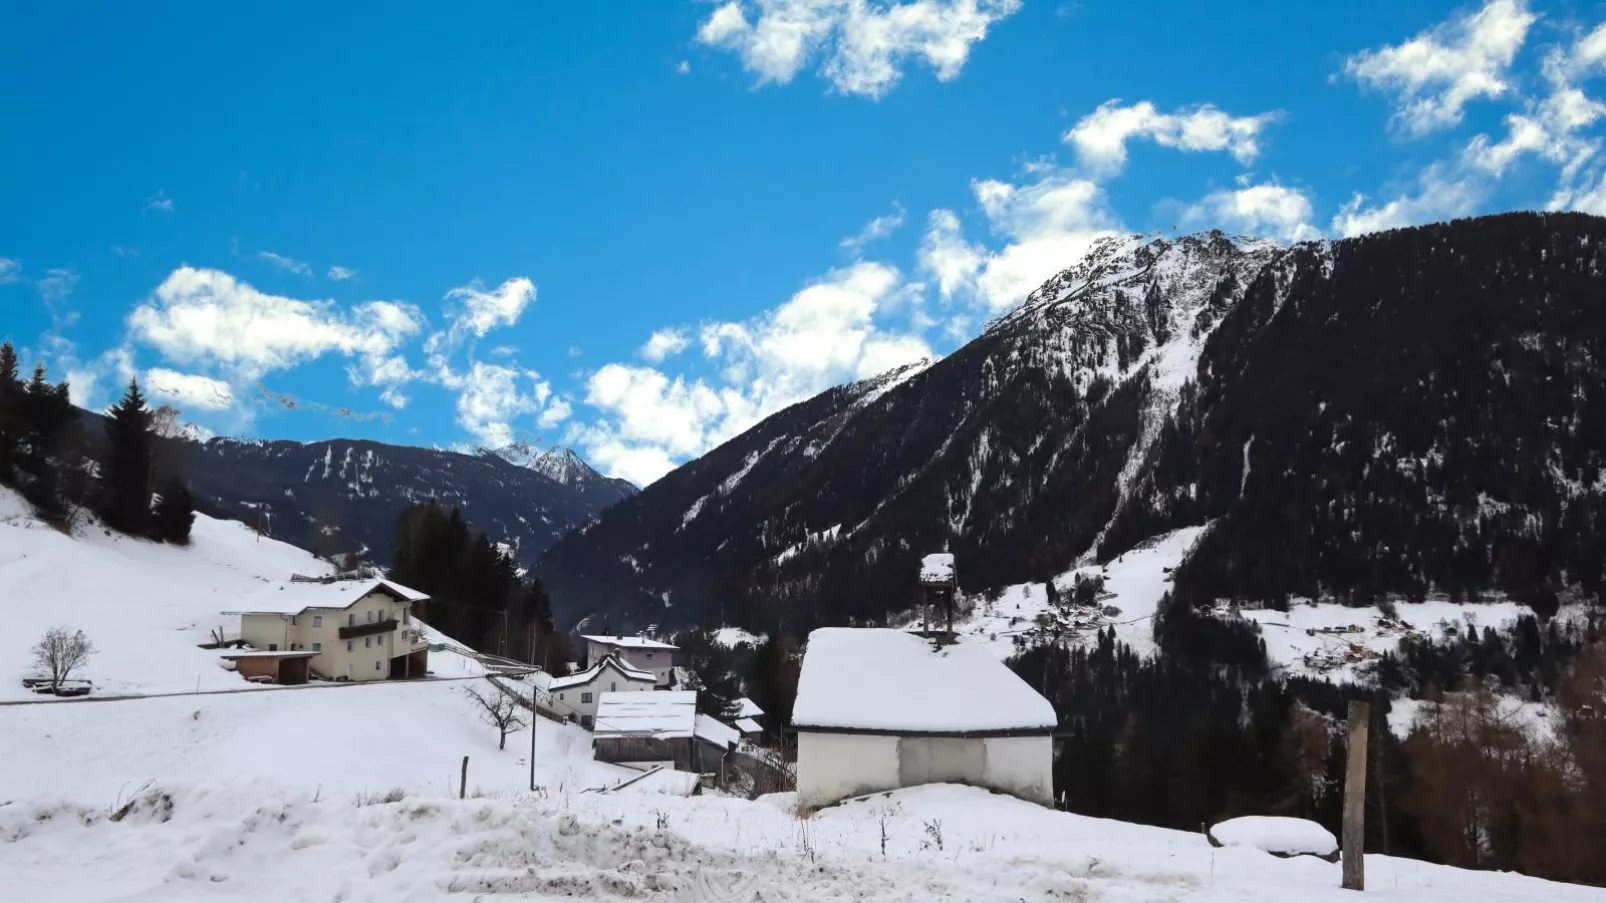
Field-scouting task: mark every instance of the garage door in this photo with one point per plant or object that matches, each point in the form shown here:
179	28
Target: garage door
938	760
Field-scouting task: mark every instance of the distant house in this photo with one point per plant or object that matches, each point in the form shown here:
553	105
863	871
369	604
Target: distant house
578	695
337	629
644	729
881	709
637	652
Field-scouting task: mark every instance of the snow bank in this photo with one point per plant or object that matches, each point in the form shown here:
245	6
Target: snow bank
880	679
1276	835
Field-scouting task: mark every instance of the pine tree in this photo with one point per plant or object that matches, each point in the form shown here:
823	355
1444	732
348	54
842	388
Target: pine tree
46	414
126	494
174	514
11	414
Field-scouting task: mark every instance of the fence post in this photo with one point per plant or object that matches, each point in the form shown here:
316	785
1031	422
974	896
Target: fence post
462	782
1355	798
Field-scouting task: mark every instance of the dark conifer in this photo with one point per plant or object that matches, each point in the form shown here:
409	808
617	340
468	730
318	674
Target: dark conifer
173	514
128	469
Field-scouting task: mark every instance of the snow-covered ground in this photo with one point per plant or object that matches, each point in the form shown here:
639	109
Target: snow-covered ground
1133	583
250	842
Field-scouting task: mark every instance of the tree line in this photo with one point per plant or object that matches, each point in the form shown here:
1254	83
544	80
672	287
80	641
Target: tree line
1204	732
478	594
61	468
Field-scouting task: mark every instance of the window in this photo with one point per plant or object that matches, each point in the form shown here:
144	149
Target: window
317	620
317	647
585	720
649	655
585	698
368	641
292	620
351	620
273	647
405	614
613	686
350	644
376	666
369	616
560	696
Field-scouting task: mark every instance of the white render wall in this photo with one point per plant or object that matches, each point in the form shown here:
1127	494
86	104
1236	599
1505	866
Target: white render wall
833	767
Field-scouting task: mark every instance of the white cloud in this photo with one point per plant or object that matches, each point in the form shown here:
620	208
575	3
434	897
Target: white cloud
945	254
159	202
492	397
341	274
1270	210
824	335
188	390
875	230
1437	73
1100	138
863	45
300	268
479	311
1442	193
1048	224
56	285
684	68
10	270
557	411
123	251
665	343
205	316
388	373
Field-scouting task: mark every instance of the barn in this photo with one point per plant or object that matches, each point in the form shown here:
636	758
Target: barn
879	709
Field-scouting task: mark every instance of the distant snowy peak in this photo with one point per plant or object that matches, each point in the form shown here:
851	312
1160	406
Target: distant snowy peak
1145	284
562	465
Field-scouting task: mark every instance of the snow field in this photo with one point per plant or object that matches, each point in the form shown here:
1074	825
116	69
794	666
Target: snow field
250	842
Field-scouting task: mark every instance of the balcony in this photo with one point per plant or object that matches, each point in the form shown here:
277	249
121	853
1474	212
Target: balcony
357	630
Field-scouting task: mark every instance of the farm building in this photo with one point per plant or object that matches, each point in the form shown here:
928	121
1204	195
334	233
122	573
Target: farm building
879	709
347	629
643	729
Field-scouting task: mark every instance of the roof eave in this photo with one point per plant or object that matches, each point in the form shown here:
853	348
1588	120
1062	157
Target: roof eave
979	734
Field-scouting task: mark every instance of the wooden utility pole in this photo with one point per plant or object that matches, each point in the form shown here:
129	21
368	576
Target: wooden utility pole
462	782
1355	798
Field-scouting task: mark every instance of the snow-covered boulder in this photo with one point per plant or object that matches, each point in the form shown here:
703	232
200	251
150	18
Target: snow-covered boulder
1276	835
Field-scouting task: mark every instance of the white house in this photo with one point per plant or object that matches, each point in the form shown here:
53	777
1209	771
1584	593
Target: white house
356	629
879	709
637	652
578	695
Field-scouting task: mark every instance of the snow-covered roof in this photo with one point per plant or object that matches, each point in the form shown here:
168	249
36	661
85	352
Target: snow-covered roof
883	680
749	726
661	715
1275	834
591	673
937	568
716	732
292	597
628	642
747	708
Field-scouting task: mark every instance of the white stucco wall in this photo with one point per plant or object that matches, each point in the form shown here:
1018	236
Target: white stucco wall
833	767
659	661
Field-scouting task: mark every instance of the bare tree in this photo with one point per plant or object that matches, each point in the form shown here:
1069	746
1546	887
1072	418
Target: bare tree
500	710
60	653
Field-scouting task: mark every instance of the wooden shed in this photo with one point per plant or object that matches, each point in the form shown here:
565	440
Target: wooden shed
649	728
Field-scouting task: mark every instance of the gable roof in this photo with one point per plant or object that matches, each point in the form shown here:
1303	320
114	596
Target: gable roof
749	726
595	671
717	732
292	597
628	642
876	680
747	708
661	715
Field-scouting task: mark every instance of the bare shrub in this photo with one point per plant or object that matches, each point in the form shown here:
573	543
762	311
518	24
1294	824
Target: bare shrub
60	653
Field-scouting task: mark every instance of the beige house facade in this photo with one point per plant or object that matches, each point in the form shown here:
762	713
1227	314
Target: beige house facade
357	630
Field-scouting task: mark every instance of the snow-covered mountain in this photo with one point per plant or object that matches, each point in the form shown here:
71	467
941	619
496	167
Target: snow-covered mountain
1409	412
565	466
340	494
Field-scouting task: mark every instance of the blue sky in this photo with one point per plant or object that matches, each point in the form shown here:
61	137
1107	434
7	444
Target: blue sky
637	234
